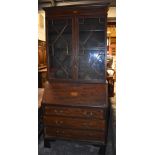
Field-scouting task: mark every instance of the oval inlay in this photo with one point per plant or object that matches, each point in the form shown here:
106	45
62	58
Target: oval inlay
74	93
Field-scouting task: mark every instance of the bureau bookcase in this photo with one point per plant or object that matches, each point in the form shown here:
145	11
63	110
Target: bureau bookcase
75	98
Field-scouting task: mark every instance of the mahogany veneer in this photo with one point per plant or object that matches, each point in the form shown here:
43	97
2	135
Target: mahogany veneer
75	103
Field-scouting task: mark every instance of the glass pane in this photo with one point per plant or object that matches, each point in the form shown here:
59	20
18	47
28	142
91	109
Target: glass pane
60	41
92	48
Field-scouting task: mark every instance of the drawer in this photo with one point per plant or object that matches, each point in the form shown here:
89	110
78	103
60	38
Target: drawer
75	123
74	134
95	113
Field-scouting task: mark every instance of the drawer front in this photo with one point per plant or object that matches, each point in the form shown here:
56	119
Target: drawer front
74	123
94	113
74	134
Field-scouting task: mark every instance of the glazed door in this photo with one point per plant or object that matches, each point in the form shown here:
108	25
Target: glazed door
92	48
77	48
60	48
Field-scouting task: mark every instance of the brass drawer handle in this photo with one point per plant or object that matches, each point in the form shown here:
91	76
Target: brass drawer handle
56	111
59	122
58	132
88	113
